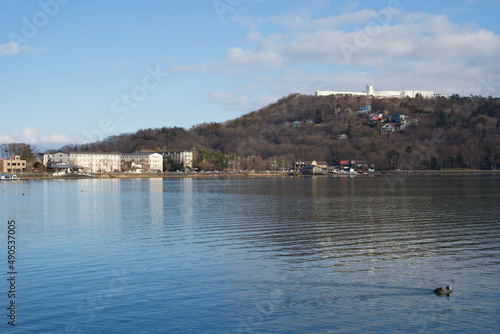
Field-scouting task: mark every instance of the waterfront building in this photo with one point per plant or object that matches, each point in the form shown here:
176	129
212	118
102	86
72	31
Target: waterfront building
90	161
309	165
12	165
97	162
178	157
55	158
149	161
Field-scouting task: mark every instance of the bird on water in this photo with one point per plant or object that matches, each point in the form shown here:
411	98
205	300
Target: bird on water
442	291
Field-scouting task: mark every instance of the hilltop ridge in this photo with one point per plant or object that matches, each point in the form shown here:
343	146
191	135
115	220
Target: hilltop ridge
454	132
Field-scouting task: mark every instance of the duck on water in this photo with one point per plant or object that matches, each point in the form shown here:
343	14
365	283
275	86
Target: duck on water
442	291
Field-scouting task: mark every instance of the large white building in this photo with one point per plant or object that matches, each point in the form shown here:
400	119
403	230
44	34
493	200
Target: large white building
114	162
92	162
148	160
104	162
55	158
97	162
381	94
184	157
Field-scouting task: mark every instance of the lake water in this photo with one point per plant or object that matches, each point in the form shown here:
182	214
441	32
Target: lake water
303	255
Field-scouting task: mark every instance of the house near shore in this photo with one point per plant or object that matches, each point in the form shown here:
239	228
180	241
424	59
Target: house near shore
350	166
309	167
12	165
347	165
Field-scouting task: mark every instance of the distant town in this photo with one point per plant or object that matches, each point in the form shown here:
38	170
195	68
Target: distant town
65	163
329	132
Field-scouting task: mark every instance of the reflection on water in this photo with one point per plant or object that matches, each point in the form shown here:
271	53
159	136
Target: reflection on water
275	255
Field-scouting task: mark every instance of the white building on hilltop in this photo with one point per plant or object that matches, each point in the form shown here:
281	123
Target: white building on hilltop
381	94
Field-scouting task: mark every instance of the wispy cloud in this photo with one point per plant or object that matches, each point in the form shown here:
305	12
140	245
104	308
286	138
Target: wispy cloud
392	49
240	101
8	49
406	38
33	136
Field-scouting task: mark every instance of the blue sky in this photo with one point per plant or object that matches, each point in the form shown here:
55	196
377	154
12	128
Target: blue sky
74	71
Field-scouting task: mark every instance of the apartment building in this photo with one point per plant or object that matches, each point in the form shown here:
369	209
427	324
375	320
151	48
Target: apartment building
12	165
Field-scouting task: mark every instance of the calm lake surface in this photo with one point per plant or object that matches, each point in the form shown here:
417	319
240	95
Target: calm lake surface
304	255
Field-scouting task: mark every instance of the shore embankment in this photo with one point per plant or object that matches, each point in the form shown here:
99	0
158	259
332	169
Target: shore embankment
47	176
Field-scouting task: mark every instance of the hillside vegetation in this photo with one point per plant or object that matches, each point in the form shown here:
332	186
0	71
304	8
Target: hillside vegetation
456	132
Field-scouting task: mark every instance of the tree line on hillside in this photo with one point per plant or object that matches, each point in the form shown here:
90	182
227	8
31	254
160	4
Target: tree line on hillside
455	132
25	151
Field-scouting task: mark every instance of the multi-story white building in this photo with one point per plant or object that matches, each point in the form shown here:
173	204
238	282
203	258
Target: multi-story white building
184	157
381	94
55	158
96	162
148	160
330	92
111	162
92	162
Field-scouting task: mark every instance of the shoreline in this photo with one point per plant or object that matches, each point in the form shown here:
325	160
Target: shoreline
28	177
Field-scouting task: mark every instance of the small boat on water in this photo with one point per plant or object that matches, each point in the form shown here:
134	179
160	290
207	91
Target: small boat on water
8	178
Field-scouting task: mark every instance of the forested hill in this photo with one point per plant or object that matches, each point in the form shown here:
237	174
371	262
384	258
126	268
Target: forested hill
456	132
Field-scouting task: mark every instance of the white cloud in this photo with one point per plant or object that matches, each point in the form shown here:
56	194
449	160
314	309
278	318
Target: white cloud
240	101
7	49
418	36
303	22
254	36
386	37
29	135
11	48
191	68
56	138
389	48
266	58
5	139
33	136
